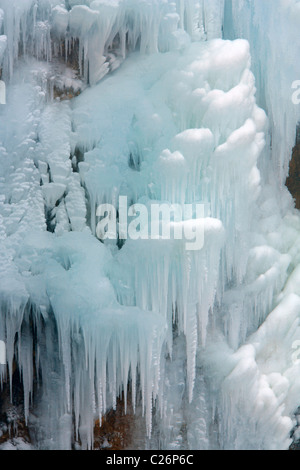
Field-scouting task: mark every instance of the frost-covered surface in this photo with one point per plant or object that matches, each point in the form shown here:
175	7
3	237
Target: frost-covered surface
207	336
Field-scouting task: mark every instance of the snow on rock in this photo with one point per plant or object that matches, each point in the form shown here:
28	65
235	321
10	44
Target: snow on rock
3	44
261	391
273	37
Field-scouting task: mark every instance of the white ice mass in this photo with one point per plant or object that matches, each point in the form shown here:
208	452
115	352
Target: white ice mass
161	101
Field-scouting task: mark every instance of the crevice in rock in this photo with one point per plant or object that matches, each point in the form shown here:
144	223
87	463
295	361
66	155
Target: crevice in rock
117	429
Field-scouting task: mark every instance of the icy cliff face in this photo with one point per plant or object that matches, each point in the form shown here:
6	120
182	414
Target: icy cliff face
272	33
205	341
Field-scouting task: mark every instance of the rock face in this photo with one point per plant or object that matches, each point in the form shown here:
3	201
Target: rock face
14	434
293	181
117	431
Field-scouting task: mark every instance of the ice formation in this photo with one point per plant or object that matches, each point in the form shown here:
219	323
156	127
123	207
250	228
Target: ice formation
205	341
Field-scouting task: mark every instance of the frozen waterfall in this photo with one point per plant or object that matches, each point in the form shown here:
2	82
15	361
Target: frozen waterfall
151	107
